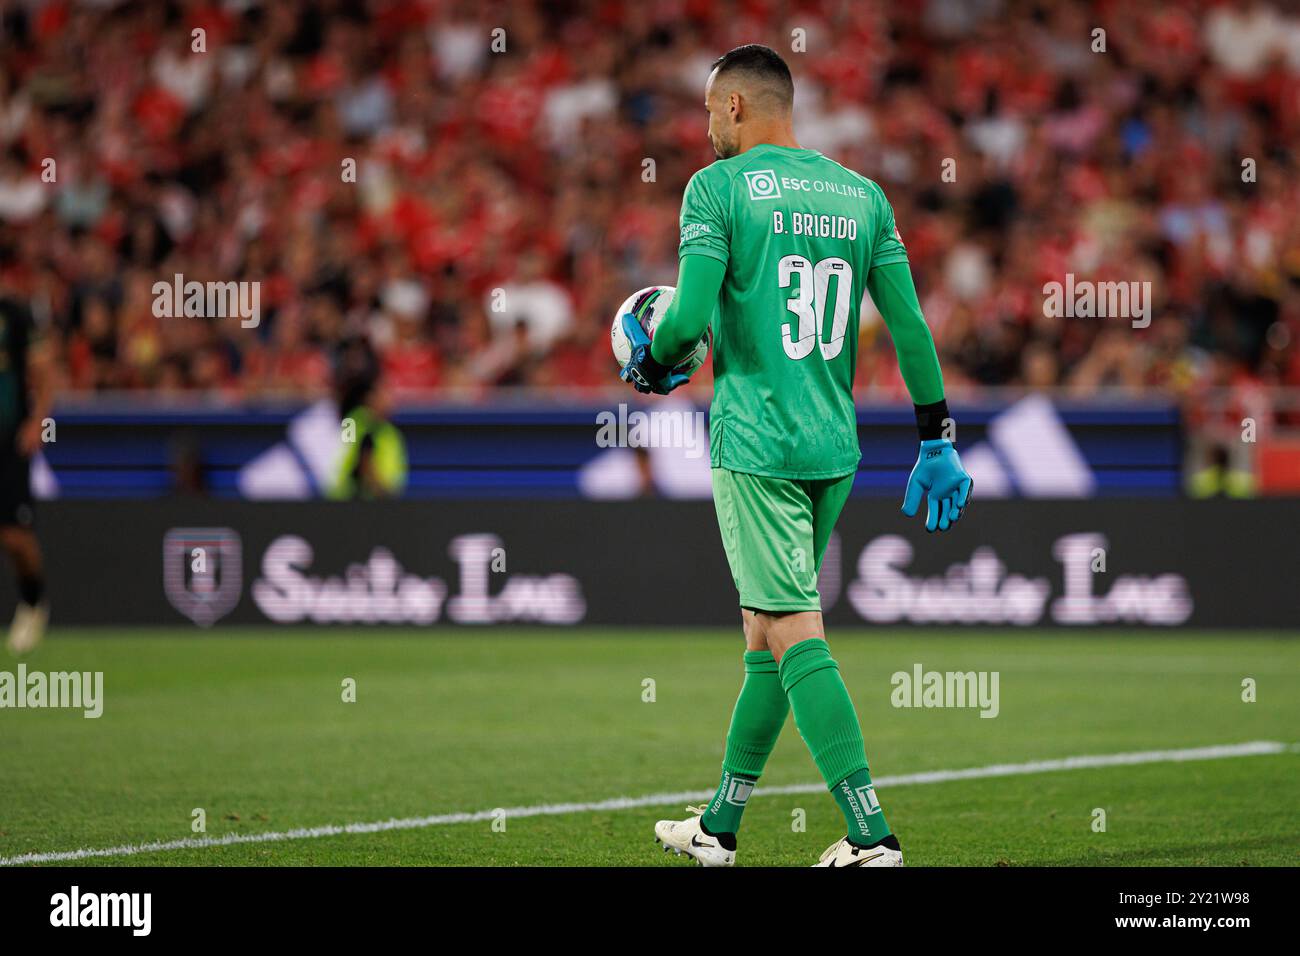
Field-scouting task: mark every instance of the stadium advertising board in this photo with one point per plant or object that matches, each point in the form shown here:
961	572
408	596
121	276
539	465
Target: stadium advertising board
1152	564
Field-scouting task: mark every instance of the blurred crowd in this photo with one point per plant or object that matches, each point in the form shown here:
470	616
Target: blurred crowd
519	170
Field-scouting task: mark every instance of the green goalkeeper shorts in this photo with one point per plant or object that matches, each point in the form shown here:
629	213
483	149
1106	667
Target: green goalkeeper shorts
775	531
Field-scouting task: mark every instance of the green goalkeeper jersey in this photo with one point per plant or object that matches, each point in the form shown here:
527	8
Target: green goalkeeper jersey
798	234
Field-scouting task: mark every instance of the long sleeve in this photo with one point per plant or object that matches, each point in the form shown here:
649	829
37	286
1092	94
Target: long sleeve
699	281
894	293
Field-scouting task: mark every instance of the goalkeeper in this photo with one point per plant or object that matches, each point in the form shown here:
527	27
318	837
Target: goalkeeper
783	242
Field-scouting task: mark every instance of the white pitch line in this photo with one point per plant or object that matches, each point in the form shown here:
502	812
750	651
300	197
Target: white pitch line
1255	748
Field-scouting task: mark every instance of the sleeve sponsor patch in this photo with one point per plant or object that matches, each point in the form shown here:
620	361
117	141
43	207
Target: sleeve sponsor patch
694	230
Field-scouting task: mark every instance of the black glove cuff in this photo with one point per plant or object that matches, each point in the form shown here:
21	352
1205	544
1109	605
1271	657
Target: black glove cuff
930	419
652	369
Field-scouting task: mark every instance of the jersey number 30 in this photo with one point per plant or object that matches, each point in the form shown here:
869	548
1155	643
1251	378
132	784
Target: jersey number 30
810	305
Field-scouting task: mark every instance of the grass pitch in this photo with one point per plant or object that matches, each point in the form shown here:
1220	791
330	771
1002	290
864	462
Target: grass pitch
251	727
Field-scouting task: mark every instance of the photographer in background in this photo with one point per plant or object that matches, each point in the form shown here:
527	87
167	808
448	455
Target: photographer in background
374	452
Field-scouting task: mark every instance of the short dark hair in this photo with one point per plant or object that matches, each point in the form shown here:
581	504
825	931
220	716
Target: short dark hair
764	64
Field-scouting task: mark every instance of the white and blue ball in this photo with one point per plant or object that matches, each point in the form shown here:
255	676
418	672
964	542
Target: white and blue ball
650	305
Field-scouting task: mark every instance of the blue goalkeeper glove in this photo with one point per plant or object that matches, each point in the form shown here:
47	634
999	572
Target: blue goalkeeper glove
938	476
646	374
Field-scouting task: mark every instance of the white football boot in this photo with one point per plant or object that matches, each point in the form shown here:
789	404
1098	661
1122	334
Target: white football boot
844	853
685	836
27	629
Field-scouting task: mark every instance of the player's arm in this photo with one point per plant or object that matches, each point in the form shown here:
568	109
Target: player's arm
894	294
704	250
699	281
40	385
938	473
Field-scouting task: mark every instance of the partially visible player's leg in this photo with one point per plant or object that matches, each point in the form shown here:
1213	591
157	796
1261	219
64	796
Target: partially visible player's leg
756	722
828	723
28	627
19	542
823	710
762	707
775	532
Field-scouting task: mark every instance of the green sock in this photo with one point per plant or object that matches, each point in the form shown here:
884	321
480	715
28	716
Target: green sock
756	723
824	714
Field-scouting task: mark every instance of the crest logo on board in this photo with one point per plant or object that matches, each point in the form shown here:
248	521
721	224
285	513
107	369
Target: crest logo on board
202	572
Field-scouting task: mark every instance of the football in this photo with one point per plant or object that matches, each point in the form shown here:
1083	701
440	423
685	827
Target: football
650	305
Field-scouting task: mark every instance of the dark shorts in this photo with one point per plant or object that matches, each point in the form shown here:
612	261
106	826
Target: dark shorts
15	486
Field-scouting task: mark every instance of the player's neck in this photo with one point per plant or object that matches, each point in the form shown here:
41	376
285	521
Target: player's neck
769	134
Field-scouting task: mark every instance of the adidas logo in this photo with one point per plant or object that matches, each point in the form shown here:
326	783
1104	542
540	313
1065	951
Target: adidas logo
1030	452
